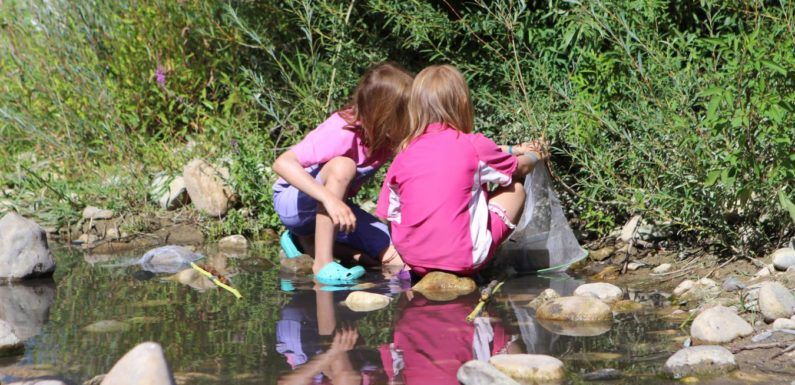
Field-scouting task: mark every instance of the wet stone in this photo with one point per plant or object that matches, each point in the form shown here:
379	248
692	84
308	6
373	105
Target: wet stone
440	286
545	296
481	373
602	291
530	368
698	360
575	308
301	264
362	301
144	364
719	325
775	301
602	375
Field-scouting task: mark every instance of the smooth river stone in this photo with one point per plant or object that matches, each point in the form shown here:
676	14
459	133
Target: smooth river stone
783	258
605	292
144	364
529	368
362	301
775	301
574	308
718	325
700	360
480	373
440	286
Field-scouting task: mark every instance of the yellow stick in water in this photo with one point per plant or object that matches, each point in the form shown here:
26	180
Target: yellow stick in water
216	280
485	296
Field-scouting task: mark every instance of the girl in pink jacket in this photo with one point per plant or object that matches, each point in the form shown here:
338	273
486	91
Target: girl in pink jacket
435	194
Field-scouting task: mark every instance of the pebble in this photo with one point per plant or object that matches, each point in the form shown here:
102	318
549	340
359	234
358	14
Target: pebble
698	360
761	336
732	284
765	271
602	375
718	325
605	292
664	268
775	301
783	258
635	265
783	323
481	373
529	368
92	212
575	308
684	287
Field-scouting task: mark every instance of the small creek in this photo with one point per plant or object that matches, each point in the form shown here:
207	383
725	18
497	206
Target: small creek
273	335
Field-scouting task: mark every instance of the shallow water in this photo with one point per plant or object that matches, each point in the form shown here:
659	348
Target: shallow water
274	333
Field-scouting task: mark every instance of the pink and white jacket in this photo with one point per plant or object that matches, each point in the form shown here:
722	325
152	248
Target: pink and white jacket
435	197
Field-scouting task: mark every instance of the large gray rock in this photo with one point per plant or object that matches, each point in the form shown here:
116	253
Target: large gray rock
170	193
700	360
23	248
775	301
9	342
605	292
480	373
144	364
168	259
575	308
207	187
783	258
718	325
529	368
26	307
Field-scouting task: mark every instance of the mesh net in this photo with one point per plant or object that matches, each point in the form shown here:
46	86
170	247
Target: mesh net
543	240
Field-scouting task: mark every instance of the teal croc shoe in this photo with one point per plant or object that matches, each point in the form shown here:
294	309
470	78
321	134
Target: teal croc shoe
335	274
288	245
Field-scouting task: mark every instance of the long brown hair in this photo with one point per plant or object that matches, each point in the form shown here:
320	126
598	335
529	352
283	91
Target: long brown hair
439	94
378	107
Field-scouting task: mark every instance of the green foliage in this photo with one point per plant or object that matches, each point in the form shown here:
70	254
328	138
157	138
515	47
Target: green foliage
681	111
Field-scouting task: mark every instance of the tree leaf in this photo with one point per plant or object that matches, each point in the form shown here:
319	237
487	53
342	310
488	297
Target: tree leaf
787	205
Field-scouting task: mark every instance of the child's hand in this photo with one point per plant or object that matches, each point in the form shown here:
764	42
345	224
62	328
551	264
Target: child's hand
538	148
344	340
340	214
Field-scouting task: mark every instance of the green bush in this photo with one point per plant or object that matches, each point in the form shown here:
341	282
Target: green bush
681	111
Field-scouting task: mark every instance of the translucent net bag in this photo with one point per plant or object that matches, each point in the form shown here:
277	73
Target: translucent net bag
542	240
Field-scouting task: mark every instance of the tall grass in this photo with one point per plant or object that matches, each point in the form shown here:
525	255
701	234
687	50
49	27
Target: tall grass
680	111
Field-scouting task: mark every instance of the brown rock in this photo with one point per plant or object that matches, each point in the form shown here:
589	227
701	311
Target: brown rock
207	187
440	286
601	254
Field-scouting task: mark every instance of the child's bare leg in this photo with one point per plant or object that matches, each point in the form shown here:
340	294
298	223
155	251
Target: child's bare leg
337	174
326	319
511	198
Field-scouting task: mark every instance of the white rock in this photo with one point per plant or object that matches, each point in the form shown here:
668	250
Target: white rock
783	258
233	242
628	231
207	187
575	308
775	301
700	360
783	323
664	268
635	265
8	339
708	283
718	325
602	291
23	248
144	364
765	271
362	301
170	193
684	287
481	373
529	368
92	212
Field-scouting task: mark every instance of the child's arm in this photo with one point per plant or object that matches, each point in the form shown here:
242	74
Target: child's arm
289	168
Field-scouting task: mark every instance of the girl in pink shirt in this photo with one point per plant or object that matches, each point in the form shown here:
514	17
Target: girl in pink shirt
435	193
320	174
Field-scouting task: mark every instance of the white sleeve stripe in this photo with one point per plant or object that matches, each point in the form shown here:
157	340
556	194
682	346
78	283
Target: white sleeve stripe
393	212
489	174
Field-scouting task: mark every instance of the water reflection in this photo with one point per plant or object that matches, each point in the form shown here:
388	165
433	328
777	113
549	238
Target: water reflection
26	306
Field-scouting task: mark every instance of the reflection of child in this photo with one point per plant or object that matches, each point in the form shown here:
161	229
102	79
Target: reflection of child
432	340
434	194
326	168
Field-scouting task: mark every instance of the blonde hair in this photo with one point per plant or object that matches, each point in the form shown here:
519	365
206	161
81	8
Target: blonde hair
439	94
377	108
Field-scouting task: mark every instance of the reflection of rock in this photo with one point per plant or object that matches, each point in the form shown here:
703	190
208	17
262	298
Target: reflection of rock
776	301
192	278
233	242
144	364
440	286
363	301
602	291
529	368
107	326
545	296
480	373
575	308
718	325
26	307
168	259
576	328
700	360
626	306
9	342
23	248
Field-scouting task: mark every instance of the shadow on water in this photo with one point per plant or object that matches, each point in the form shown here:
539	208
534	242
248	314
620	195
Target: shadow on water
285	330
